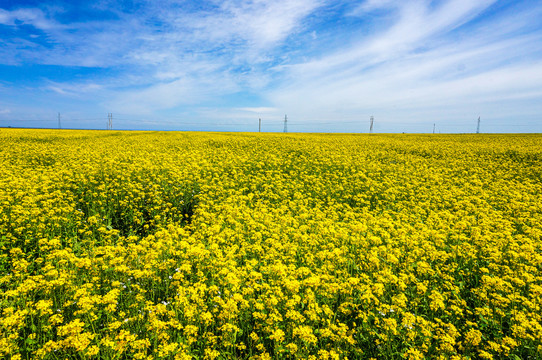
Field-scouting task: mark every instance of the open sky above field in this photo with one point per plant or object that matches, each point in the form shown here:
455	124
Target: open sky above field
220	65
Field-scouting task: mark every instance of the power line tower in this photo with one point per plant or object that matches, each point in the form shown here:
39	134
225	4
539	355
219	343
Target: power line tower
478	127
110	121
285	123
372	122
259	125
59	121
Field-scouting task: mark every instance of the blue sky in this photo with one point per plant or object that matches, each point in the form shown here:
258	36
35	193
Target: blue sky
221	65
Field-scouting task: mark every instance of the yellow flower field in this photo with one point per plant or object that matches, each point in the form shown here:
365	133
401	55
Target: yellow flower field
169	245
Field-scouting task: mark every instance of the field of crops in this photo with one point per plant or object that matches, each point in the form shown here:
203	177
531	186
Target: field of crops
166	245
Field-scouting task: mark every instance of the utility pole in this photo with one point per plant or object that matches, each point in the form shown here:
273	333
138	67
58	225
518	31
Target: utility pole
110	121
285	123
372	122
433	128
478	127
59	121
259	125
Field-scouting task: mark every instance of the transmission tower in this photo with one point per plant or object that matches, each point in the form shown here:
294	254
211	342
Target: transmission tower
478	127
110	121
372	122
285	123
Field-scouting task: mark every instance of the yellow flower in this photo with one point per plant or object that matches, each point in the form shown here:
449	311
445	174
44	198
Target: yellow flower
278	335
414	354
305	333
473	337
202	245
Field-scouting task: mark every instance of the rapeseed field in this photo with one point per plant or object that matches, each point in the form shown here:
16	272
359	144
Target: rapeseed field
170	245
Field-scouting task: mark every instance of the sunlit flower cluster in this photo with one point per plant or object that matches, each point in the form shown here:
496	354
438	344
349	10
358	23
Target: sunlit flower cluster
164	245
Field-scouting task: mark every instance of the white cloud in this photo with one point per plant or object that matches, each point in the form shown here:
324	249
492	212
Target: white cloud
372	5
415	26
183	91
74	89
262	23
34	17
211	54
259	110
415	64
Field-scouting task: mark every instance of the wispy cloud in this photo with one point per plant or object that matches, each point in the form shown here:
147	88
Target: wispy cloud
75	90
422	61
33	17
259	110
258	23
